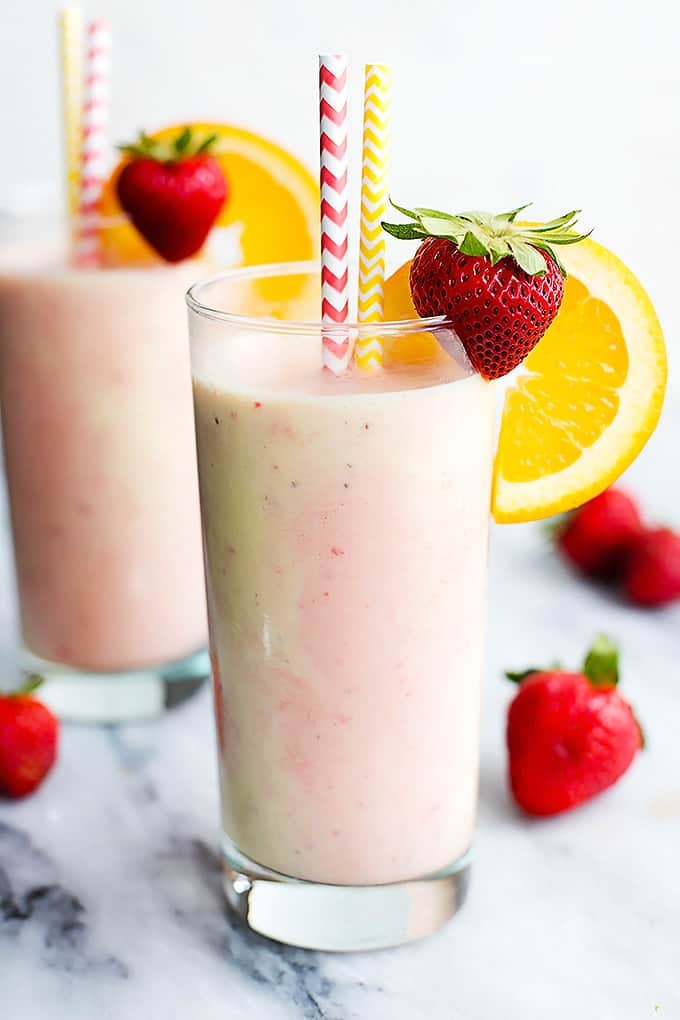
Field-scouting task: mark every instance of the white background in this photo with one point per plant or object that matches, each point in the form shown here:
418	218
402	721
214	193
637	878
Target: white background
497	102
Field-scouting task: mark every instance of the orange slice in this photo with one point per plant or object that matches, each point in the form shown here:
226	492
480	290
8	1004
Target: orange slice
273	200
586	400
410	348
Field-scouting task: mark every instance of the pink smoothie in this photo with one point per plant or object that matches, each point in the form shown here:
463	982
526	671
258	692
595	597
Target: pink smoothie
100	461
345	533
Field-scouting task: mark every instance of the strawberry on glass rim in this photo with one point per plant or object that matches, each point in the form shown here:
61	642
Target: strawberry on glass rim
266	185
500	283
172	191
591	386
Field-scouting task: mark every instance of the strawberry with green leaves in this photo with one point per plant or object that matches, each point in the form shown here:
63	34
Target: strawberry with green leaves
499	282
570	735
29	737
173	192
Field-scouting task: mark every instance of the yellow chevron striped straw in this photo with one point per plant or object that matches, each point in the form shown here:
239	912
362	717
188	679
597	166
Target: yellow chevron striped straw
368	351
71	58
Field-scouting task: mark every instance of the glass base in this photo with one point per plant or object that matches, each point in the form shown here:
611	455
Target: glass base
340	918
94	697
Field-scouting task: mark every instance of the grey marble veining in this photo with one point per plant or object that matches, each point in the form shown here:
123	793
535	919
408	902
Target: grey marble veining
110	903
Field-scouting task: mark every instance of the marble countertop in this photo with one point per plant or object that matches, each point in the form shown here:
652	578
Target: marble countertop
110	901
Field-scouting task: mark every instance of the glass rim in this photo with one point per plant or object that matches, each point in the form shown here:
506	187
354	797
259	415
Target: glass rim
62	219
271	325
101	220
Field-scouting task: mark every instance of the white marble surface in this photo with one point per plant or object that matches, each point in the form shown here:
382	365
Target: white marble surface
110	906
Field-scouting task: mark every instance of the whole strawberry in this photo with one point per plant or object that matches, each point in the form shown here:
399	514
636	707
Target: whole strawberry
499	283
29	736
569	735
173	193
598	537
652	575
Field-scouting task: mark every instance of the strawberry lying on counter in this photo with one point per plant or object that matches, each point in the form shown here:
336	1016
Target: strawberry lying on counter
652	574
607	540
570	735
29	738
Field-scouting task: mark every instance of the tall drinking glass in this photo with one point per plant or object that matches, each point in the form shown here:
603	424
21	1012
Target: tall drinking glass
345	525
101	469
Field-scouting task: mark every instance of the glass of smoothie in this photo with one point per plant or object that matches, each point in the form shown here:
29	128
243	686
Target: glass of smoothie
100	461
345	532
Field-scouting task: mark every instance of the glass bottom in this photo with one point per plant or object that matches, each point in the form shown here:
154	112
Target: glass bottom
336	918
94	697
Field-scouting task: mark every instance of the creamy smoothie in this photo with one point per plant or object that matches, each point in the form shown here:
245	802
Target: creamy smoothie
100	461
345	534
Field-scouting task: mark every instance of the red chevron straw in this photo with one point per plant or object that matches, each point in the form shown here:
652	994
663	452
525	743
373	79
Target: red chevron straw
334	267
95	139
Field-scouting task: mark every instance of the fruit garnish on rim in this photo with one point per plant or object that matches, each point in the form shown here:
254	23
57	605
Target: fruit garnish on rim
589	394
266	184
501	283
172	191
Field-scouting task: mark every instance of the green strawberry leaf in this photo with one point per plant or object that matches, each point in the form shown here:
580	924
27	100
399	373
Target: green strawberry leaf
560	238
601	664
410	213
542	246
643	735
472	245
553	526
557	224
182	147
495	236
144	146
404	231
481	219
182	141
207	144
30	684
498	250
509	217
438	215
528	258
521	675
437	227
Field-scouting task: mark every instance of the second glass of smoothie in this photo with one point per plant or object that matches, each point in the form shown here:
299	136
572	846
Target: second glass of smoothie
100	461
345	526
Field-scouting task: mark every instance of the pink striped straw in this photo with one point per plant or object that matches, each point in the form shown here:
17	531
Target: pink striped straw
336	350
94	154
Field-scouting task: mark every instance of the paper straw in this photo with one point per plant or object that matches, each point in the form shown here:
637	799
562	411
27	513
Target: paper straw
368	351
71	60
95	137
334	266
